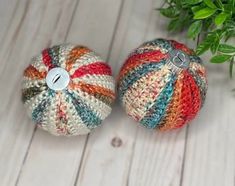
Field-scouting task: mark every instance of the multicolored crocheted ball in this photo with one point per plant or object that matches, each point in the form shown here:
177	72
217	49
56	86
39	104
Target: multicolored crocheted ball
68	90
162	84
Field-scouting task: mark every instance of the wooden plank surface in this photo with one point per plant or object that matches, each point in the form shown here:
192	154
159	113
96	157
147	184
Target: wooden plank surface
119	153
63	153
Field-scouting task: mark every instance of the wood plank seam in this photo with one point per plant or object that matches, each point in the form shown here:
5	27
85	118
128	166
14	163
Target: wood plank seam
81	161
115	31
131	158
184	155
107	59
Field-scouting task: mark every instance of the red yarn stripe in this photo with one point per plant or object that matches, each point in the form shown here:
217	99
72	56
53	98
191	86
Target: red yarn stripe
138	59
186	101
196	103
186	97
191	100
94	68
47	58
180	46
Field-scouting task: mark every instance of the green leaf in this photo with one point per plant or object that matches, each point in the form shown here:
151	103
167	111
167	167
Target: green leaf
232	2
210	4
175	25
219	19
207	23
191	2
203	47
206	43
215	45
228	8
220	4
195	29
178	4
204	13
169	12
216	41
197	8
172	25
229	35
224	48
221	58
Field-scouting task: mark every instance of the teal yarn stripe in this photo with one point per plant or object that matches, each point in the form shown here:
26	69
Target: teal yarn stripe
89	118
155	114
38	112
161	43
195	59
136	74
200	83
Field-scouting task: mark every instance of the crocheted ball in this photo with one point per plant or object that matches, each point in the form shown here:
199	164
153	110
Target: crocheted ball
68	90
162	84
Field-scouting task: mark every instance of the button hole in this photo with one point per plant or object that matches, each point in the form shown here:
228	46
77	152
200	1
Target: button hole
56	78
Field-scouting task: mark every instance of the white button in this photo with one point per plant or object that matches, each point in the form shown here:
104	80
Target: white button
57	78
179	59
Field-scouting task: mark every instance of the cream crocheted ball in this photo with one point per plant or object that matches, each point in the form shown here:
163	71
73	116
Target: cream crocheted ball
68	90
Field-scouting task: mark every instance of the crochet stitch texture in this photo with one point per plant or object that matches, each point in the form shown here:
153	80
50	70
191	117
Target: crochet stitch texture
79	107
159	90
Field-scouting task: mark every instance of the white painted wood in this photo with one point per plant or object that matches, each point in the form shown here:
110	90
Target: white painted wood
57	162
21	40
152	159
15	133
210	152
116	138
94	24
135	162
7	9
120	152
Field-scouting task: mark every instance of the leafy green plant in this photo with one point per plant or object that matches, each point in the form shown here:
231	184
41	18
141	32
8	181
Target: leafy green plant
210	22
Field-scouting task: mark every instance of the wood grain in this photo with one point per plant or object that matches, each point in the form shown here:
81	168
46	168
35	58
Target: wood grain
30	29
210	152
62	166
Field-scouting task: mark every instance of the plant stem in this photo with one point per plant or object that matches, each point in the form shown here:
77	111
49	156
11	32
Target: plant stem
198	39
231	67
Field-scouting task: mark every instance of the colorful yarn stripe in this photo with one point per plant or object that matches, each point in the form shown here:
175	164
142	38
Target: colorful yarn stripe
159	92
79	107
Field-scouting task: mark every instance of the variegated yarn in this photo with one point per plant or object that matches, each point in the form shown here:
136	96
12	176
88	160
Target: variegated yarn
162	84
82	104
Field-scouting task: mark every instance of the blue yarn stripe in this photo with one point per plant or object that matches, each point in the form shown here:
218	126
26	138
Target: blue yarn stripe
161	43
136	74
89	118
157	111
38	112
195	59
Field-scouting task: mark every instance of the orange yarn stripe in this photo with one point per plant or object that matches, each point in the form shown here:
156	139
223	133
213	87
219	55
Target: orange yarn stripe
33	73
94	90
75	54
